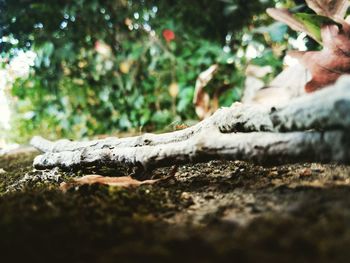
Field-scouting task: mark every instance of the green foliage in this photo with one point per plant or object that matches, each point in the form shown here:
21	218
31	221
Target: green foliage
313	23
104	66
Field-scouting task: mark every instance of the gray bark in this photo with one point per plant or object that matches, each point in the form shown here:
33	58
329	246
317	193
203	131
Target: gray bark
261	147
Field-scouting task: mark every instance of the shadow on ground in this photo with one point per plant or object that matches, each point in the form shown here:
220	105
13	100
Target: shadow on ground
219	211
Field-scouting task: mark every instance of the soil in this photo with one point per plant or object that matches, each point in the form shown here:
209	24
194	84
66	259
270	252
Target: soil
219	211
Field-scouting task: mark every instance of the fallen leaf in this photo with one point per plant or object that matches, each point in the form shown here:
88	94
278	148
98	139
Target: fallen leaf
258	71
201	98
329	28
253	81
287	85
327	65
252	85
124	181
330	8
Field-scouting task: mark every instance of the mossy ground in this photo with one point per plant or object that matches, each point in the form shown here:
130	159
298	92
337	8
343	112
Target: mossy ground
218	211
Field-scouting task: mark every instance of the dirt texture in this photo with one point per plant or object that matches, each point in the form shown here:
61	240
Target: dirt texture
219	211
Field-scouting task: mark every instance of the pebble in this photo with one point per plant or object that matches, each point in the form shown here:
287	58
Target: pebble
209	196
185	196
306	172
2	171
272	173
317	168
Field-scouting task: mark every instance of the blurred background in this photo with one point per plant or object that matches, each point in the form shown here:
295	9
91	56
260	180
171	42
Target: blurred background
86	68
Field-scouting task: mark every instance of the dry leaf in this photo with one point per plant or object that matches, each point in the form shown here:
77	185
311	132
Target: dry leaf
252	85
203	106
253	81
327	65
124	181
201	98
258	71
330	8
287	85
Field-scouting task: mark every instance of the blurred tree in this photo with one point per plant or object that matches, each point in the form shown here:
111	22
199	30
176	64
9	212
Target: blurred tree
105	65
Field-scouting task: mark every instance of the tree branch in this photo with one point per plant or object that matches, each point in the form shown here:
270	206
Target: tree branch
246	132
261	147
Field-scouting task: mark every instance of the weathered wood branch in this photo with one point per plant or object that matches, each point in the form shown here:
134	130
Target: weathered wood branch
243	117
325	109
261	147
246	132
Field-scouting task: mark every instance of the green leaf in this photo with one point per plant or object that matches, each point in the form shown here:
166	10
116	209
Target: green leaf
313	23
